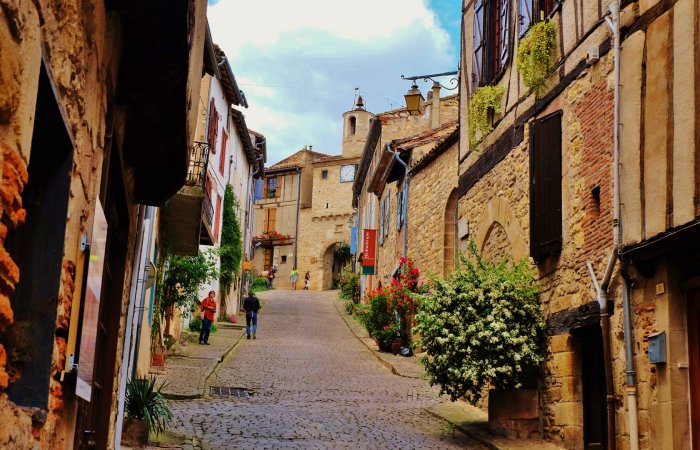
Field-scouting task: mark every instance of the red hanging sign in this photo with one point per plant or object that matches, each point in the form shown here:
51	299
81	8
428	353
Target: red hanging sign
369	248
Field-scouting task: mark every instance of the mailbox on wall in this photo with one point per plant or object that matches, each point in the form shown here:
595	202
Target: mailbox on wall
657	348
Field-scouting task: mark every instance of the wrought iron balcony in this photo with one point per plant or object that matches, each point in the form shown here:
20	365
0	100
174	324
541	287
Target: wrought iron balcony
199	159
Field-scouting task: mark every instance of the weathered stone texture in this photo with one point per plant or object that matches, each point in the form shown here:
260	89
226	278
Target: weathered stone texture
427	208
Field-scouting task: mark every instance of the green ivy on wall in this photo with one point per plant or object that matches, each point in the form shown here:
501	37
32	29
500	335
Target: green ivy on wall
482	100
535	55
231	249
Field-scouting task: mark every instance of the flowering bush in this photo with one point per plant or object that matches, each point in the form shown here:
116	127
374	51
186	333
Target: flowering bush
482	327
272	236
388	309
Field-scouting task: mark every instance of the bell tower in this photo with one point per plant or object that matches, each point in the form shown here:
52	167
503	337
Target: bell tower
355	129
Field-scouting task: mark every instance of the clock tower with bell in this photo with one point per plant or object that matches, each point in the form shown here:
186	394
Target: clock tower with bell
355	129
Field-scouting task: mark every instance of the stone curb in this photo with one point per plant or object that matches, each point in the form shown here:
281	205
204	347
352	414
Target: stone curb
476	435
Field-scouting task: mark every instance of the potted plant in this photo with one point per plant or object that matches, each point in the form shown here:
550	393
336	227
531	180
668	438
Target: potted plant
145	410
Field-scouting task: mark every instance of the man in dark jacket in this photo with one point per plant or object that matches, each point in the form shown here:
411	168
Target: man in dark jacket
251	306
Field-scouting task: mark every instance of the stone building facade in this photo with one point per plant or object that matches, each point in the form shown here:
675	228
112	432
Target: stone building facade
310	194
427	142
80	126
541	186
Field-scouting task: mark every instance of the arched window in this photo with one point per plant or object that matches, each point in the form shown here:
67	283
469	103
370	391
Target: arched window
352	125
450	234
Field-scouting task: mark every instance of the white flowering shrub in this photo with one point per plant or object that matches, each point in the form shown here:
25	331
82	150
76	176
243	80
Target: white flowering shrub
481	327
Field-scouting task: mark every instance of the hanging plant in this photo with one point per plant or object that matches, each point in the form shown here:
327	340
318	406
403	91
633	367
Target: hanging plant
535	55
482	100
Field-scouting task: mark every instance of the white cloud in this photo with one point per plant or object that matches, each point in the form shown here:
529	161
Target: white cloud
299	62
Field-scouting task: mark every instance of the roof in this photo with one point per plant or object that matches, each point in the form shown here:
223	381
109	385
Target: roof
297	160
436	151
436	135
228	81
249	149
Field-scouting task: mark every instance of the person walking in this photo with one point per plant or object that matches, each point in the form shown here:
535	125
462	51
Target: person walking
270	278
294	276
307	280
251	306
208	306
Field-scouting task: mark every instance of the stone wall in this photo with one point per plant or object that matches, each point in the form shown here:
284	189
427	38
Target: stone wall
429	191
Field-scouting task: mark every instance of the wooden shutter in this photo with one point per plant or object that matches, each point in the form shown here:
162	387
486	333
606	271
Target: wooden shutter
504	30
278	186
398	210
381	222
271	217
387	211
222	158
217	218
213	128
524	15
545	187
478	48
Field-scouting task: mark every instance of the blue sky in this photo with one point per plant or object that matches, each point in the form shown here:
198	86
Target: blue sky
300	62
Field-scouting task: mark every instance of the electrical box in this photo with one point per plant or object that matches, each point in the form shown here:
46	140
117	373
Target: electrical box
657	348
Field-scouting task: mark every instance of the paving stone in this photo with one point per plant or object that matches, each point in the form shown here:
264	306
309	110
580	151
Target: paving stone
313	385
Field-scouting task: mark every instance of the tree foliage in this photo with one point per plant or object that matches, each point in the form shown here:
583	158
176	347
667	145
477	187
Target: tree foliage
482	327
231	248
184	277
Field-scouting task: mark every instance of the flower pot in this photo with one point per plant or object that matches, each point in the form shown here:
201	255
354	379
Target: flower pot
134	433
514	412
396	347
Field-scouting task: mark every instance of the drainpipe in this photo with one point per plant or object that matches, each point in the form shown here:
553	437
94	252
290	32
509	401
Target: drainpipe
631	386
296	227
405	213
602	289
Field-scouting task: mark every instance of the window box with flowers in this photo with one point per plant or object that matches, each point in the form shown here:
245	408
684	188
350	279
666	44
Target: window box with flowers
272	237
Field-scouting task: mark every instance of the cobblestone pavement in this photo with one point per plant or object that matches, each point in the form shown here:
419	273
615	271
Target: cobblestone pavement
313	385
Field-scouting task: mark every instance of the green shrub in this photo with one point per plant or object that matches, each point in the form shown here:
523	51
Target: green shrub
483	99
482	327
535	55
258	284
349	285
196	325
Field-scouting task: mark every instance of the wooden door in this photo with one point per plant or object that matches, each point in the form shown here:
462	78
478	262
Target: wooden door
694	363
593	384
267	260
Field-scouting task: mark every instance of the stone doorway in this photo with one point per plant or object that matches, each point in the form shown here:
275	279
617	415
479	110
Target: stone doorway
336	256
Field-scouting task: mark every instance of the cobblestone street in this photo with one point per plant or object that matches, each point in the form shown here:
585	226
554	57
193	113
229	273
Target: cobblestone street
312	385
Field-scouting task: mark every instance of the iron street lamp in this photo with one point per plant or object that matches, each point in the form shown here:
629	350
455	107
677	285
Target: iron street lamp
414	97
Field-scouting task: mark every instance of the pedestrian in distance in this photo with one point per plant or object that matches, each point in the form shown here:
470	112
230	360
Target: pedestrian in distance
293	277
208	306
270	278
307	280
251	306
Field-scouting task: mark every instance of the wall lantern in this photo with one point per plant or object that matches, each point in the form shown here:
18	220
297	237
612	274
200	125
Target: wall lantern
414	98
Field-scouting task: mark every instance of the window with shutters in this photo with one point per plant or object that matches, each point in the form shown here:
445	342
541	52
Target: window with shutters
212	126
491	46
531	11
270	218
271	190
545	187
400	208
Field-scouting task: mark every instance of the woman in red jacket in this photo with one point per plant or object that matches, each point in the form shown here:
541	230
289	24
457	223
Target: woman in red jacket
208	305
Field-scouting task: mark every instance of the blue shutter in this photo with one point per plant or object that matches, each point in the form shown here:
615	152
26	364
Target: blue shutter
381	222
524	15
258	190
387	210
504	31
399	203
478	43
353	240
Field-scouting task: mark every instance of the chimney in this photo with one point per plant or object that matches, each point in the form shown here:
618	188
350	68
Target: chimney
435	110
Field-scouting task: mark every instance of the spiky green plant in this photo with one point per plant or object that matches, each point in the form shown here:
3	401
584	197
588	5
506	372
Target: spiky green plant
145	402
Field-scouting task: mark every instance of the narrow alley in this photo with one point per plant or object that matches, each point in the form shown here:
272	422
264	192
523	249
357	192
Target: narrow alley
312	384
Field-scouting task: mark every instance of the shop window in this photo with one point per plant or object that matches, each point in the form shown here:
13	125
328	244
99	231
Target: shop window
491	46
37	249
545	187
